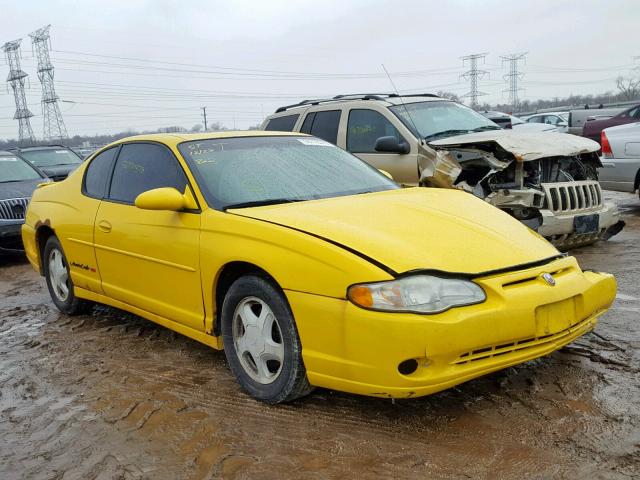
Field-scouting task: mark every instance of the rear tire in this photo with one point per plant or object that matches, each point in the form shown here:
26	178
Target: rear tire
261	341
56	272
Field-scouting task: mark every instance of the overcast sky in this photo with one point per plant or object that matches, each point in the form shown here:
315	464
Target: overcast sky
149	64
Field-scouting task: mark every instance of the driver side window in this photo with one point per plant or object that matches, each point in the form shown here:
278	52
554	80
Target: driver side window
144	166
365	127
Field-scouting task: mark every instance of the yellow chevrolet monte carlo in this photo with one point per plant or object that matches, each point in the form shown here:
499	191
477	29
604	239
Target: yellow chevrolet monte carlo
310	267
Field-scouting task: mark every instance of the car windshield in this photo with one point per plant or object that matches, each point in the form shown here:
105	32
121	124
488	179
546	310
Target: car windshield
50	157
251	171
441	118
13	169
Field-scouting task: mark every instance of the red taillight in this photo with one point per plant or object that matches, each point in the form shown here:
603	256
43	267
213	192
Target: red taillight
606	147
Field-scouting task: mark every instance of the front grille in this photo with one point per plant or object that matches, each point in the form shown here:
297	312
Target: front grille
13	208
568	197
519	345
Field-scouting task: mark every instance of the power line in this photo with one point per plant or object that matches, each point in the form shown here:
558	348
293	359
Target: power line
16	79
473	75
513	76
53	124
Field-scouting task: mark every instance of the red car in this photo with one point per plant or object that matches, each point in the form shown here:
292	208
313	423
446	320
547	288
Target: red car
593	128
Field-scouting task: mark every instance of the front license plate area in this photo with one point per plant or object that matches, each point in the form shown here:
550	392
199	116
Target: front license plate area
555	317
586	223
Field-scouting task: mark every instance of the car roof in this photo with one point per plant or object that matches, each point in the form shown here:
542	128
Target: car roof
39	147
492	113
559	112
176	138
388	99
6	153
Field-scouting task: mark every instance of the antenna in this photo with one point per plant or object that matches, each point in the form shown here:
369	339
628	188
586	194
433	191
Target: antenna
420	139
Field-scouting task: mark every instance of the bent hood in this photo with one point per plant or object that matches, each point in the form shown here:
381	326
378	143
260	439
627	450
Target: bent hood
23	189
524	146
415	228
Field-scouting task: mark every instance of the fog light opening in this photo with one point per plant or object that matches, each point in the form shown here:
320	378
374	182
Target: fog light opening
408	366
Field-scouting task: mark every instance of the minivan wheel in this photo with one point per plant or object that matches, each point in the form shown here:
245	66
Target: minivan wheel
261	342
56	272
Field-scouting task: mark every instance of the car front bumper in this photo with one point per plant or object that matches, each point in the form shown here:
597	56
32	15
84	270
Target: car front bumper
559	227
10	238
359	351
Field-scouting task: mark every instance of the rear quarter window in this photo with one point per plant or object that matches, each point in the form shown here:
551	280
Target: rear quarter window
96	178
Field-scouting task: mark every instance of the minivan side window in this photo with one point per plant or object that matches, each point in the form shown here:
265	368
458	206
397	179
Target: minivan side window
96	177
365	127
308	121
282	124
144	166
323	125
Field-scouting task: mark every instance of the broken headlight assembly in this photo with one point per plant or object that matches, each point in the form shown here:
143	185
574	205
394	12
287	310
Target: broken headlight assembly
416	294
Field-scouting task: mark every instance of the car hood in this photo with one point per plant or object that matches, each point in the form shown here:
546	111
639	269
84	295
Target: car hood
22	189
415	228
524	145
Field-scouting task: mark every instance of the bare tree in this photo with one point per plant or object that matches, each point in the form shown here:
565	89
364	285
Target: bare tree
449	95
629	87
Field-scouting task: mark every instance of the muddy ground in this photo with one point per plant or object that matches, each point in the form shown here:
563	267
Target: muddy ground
112	396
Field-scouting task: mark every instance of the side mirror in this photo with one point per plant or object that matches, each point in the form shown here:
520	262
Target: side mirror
561	124
385	173
166	198
391	145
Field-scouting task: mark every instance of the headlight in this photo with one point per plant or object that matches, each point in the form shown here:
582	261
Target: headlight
416	293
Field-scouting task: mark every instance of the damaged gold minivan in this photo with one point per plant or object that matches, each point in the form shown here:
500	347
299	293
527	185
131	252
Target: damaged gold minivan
548	181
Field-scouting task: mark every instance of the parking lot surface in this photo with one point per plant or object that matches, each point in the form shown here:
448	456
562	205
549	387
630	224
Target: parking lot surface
111	395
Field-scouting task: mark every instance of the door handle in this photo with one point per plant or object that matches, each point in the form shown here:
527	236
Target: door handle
104	226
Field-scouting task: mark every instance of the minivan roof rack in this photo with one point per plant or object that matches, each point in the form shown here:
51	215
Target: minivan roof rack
352	96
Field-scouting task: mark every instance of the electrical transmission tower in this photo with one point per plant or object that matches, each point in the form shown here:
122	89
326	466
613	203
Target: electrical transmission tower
473	75
17	78
53	123
513	76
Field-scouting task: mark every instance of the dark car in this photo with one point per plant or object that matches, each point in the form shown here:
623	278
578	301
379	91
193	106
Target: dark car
593	128
18	180
56	161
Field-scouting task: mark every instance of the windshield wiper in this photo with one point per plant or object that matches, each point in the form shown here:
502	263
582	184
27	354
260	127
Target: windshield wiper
445	133
260	203
486	127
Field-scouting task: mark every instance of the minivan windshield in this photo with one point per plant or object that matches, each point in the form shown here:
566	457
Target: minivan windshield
441	118
13	169
50	157
252	171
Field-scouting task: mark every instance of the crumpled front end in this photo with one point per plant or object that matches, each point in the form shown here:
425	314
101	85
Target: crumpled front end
556	195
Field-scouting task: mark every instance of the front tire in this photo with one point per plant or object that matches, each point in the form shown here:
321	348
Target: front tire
56	272
261	341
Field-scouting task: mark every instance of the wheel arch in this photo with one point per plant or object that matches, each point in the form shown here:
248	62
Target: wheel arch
636	182
43	233
228	274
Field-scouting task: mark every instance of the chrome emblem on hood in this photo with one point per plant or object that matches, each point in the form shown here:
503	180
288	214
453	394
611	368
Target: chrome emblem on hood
549	279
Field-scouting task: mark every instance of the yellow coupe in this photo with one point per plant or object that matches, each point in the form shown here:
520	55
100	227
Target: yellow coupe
310	267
